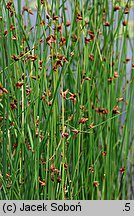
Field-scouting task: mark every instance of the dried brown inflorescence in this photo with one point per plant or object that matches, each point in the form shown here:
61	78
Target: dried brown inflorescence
87	40
96	184
15	58
71	97
10	8
101	111
19	84
122	170
124	23
68	23
120	99
104	153
43	183
115	110
12	27
116	75
91	57
59	179
83	120
91	34
55	17
3	89
14	37
13	104
78	18
127	9
51	39
65	135
117	7
91	169
107	24
27	10
91	125
75	131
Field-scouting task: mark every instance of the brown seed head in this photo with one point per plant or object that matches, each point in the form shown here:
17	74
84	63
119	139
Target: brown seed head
52	176
91	125
128	59
55	17
116	8
52	167
110	79
74	37
14	37
115	110
124	23
59	179
83	120
62	41
95	184
65	135
116	75
65	166
43	183
126	10
104	153
68	23
91	169
15	57
79	18
120	99
3	89
91	34
19	84
12	27
91	57
122	170
107	24
8	5
87	40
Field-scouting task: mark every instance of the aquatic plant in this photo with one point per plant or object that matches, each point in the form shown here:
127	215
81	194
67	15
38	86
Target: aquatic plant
66	100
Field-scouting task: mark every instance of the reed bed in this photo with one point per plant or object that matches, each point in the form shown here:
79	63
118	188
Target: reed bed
66	100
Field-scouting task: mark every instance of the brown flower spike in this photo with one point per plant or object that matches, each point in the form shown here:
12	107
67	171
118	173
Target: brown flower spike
83	120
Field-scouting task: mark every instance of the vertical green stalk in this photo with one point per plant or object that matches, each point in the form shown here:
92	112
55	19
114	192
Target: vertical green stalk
63	150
